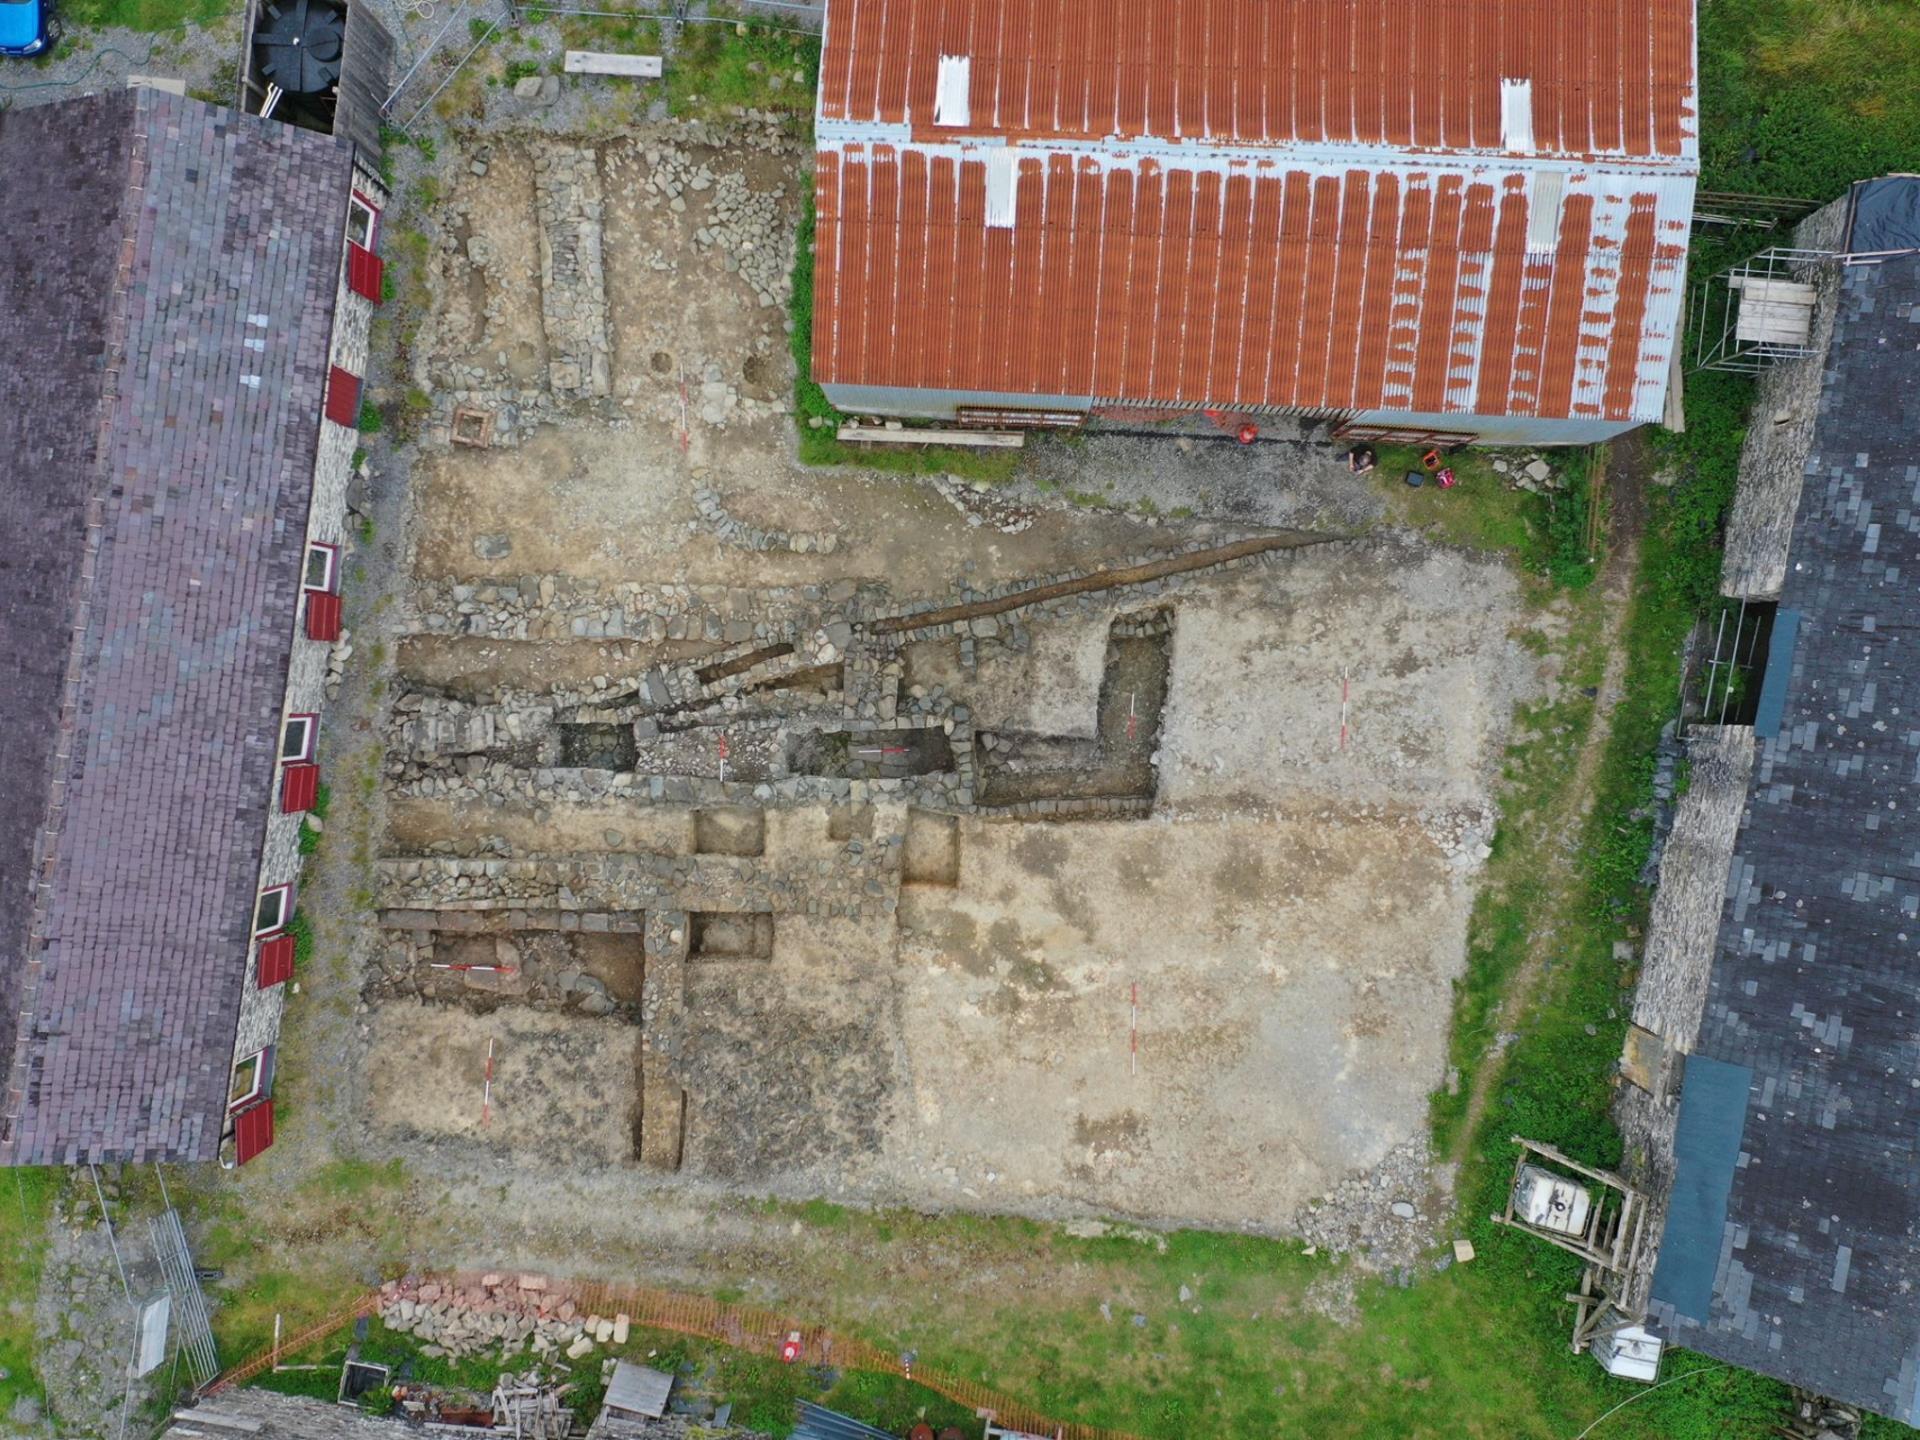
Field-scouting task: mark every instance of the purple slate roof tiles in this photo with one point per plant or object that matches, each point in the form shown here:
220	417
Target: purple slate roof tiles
166	299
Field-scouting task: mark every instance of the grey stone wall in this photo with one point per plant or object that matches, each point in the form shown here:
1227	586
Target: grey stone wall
313	671
573	291
1681	937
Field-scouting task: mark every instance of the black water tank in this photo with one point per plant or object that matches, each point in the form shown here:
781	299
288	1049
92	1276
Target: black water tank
298	43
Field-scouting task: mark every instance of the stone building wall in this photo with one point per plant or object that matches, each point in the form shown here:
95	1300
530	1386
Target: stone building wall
313	668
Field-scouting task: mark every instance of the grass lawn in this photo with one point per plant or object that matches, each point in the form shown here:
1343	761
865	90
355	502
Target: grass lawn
26	1200
142	14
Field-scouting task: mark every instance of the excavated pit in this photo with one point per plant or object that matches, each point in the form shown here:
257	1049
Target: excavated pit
869	754
1117	761
731	830
598	747
731	935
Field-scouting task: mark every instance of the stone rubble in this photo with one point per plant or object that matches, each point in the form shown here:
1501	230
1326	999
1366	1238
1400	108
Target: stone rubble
1383	1217
573	292
503	1314
736	532
984	506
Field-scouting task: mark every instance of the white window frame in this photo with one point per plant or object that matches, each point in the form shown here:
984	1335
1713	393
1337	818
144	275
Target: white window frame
357	201
309	724
262	1063
285	892
332	554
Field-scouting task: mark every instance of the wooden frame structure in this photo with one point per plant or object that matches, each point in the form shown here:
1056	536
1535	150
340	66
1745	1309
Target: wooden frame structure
1610	1241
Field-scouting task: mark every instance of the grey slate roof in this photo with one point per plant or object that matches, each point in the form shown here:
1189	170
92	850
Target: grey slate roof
1815	984
166	297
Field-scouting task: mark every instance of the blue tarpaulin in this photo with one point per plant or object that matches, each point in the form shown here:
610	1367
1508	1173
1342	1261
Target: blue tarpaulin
1773	688
1706	1147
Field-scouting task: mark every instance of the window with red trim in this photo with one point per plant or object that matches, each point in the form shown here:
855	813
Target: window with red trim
299	787
363	222
322	566
252	1078
343	397
276	960
297	736
271	910
323	616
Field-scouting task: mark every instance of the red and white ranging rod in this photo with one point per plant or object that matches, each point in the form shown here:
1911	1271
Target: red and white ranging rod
486	1091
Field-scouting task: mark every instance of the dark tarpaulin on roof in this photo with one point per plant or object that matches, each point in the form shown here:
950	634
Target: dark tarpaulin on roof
1885	215
1706	1147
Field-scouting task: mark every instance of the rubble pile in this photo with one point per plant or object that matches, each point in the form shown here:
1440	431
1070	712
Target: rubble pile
510	1314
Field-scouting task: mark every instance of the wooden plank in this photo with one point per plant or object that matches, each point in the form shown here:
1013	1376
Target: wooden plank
599	62
883	435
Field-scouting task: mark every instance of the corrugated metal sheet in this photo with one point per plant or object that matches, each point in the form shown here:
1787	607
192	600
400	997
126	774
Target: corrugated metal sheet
819	1423
1607	77
639	1388
1474	207
1251	281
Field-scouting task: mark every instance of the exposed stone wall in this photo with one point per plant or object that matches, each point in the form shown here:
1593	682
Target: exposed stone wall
1672	993
561	607
663	1003
573	290
313	673
863	878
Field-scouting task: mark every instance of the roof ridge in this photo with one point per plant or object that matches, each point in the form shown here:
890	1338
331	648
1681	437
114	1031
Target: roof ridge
1186	154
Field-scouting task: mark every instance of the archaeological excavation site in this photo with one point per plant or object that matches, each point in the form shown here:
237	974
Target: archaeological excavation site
818	834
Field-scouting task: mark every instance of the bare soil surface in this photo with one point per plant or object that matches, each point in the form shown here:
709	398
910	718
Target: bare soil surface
1289	918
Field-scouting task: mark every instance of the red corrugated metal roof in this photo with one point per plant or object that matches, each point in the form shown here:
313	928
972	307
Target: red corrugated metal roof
1609	77
1340	287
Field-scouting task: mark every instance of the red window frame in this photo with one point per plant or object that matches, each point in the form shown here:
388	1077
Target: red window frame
309	739
299	787
262	1079
343	397
286	910
323	616
331	583
276	961
359	201
252	1131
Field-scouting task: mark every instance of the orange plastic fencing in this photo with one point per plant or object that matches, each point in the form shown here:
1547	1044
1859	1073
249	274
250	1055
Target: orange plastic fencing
743	1327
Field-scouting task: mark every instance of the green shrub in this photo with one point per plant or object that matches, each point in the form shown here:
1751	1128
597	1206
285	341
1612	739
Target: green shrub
1569	559
309	837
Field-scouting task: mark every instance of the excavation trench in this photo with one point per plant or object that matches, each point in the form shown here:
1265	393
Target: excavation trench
1106	580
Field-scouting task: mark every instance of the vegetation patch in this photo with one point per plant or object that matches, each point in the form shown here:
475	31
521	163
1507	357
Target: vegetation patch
742	64
310	835
26	1203
145	14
